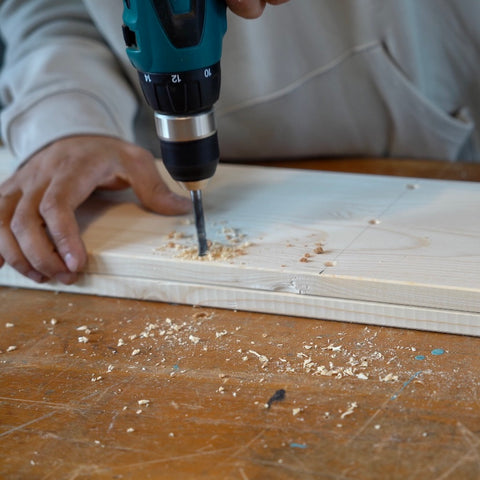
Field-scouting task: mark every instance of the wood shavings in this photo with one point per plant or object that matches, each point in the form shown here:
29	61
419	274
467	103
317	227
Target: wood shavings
82	340
351	408
194	339
135	351
216	252
296	411
130	430
144	402
308	257
85	329
263	358
9	325
334	348
176	235
185	249
11	348
330	263
390	377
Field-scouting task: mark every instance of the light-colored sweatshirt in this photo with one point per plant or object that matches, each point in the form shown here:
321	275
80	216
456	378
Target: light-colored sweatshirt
308	78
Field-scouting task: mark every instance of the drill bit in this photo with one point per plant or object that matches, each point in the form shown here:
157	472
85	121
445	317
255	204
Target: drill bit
199	222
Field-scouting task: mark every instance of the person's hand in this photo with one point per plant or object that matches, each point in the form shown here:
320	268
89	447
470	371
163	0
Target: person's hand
39	235
251	8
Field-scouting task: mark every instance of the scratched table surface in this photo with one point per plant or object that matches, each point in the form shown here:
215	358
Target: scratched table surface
104	388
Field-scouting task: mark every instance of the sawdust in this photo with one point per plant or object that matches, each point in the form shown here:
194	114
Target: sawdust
390	377
351	408
262	358
231	244
216	252
309	257
160	341
194	339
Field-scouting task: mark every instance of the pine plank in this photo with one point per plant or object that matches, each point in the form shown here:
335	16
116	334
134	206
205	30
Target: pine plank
404	252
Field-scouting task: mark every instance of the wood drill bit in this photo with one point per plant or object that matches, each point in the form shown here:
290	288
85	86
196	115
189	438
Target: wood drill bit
199	222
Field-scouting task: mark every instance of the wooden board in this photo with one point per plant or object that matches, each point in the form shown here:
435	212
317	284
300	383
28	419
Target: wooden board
398	252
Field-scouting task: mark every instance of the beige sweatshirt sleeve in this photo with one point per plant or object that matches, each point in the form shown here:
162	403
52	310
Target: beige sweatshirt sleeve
59	77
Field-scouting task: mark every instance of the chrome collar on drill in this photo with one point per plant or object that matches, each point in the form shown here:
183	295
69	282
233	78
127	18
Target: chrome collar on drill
175	128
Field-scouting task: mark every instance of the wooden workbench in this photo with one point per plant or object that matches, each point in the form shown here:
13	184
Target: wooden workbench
102	388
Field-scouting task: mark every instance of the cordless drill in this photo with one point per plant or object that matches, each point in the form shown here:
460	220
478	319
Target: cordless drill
176	47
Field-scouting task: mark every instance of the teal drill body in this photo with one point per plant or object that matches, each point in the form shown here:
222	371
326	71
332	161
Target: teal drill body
158	51
176	46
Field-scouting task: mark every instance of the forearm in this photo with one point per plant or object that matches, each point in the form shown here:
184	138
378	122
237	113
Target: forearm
59	78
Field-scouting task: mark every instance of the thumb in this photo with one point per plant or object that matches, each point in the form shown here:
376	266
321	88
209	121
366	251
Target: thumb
154	194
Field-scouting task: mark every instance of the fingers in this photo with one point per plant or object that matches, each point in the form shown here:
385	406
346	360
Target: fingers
25	244
57	208
247	8
251	8
11	252
33	237
29	238
39	234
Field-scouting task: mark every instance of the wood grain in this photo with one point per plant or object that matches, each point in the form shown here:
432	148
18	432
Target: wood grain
402	252
67	407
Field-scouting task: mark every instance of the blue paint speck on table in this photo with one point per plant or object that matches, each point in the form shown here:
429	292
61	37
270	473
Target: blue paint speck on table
298	445
438	351
420	357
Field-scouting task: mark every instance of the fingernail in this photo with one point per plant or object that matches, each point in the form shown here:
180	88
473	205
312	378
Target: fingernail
35	276
71	262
